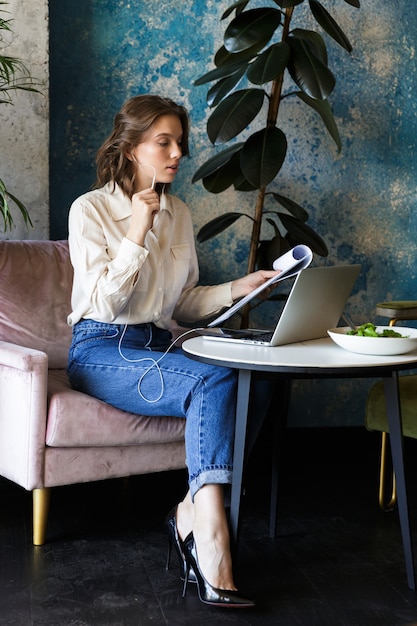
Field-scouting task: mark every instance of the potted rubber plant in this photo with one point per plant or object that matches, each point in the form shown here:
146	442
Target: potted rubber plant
14	76
264	60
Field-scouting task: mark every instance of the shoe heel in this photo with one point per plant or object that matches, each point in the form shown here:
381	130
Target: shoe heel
168	561
186	574
175	542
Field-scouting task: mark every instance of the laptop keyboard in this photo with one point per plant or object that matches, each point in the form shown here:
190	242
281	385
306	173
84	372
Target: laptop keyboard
267	336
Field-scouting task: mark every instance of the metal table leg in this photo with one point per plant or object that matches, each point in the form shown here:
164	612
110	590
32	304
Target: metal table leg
280	424
395	428
244	383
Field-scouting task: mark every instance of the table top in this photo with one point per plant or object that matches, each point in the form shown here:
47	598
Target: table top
319	356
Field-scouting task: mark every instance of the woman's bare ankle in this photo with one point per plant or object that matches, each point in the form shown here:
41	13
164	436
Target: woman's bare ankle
213	553
185	518
211	536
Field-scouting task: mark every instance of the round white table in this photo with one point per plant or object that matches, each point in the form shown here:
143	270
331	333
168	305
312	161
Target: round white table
320	358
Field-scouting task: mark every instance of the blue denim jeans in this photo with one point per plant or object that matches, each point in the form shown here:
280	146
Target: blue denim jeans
116	364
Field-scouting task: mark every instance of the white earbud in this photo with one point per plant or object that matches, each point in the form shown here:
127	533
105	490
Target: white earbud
146	165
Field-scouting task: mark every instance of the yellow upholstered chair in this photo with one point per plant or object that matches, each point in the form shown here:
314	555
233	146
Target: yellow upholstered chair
375	413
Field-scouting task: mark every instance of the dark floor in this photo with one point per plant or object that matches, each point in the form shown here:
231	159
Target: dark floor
337	559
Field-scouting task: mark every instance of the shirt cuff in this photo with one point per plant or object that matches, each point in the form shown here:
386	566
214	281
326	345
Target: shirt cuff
131	253
224	295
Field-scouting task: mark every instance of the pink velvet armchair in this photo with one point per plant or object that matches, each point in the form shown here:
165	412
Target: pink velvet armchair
51	435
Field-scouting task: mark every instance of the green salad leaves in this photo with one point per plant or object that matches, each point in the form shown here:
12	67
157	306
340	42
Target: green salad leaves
369	330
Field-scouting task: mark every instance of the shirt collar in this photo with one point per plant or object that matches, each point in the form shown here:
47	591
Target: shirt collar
121	207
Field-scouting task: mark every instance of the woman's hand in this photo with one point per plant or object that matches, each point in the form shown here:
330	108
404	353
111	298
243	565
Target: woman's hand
242	286
145	205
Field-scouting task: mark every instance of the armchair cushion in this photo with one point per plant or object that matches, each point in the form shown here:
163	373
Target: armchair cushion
78	420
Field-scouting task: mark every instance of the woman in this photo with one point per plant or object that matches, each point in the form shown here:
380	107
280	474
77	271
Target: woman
135	272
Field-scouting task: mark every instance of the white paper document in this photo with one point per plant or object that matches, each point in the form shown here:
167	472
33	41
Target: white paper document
290	264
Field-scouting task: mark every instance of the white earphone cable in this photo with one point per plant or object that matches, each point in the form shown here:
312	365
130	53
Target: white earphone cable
154	362
147	165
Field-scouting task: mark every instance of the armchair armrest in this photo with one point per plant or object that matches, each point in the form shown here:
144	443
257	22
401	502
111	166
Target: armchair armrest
21	358
23	414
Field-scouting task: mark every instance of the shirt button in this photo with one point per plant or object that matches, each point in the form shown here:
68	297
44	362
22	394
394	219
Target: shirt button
160	289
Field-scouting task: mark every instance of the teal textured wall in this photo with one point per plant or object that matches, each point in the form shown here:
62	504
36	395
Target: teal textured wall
361	201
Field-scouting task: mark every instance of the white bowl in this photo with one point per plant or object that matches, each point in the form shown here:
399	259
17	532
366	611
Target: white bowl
382	346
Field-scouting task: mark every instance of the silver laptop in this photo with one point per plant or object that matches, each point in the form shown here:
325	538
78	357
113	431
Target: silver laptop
314	305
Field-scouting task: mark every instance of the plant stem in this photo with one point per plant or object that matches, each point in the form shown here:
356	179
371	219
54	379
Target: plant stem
272	115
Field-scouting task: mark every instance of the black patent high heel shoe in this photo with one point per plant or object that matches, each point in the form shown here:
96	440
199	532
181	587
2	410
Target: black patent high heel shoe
175	541
206	592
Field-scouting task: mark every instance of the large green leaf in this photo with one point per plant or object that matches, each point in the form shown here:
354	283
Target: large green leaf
224	177
270	64
223	88
303	233
223	56
223	71
324	110
271	249
216	162
217	226
250	27
241	184
291	206
234	114
262	156
308	72
314	41
326	21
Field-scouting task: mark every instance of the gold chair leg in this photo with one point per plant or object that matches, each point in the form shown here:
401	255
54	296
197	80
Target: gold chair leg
386	506
41	498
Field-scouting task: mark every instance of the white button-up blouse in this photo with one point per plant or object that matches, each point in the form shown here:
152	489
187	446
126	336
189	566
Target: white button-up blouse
118	281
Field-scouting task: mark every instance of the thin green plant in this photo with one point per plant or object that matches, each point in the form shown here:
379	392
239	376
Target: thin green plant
14	76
